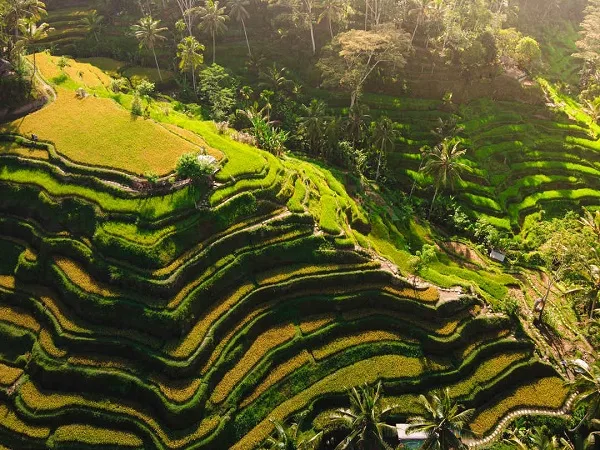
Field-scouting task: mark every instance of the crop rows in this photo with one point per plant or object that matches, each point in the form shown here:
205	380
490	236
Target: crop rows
173	327
522	158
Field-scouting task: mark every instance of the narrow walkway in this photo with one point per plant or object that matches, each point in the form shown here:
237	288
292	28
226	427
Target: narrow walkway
49	90
506	420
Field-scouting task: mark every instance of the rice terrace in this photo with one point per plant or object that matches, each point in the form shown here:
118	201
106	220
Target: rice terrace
282	224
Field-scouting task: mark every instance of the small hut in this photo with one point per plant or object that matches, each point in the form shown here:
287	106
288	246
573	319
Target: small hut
497	256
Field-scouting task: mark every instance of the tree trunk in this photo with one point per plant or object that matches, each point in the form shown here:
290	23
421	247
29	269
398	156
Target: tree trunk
194	78
415	31
379	164
545	299
594	304
157	66
435	194
247	41
353	96
412	188
330	28
366	13
214	48
312	36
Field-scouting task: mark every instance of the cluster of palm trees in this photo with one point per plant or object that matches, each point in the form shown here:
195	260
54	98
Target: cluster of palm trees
20	28
321	133
212	21
443	421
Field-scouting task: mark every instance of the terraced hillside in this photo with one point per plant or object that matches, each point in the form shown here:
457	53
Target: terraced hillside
68	25
197	326
522	157
134	318
525	156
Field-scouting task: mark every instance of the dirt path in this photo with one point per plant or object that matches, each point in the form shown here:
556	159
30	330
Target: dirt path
48	90
464	251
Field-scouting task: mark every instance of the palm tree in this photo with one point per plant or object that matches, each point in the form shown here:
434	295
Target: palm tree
333	11
313	124
444	165
447	129
16	11
147	31
541	439
537	438
289	438
93	21
365	420
32	33
186	8
443	422
212	20
358	116
274	79
420	10
238	11
384	139
190	56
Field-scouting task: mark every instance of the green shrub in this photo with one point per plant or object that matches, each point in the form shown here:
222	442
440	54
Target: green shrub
136	106
195	167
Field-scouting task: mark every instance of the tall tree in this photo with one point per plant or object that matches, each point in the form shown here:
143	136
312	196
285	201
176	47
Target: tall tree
570	252
186	7
239	13
420	10
301	13
16	11
189	52
148	33
356	123
444	422
31	33
444	165
93	21
589	44
274	78
334	11
384	140
212	21
313	125
364	419
354	55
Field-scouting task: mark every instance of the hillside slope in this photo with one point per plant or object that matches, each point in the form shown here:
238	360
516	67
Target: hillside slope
137	319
